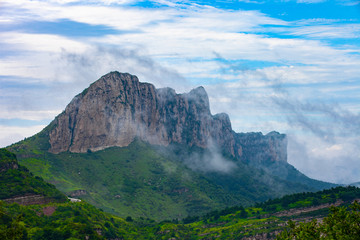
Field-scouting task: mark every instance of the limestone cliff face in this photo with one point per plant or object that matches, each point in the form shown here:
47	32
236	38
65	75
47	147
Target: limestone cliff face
117	108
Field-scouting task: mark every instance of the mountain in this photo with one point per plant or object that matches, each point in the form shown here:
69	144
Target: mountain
132	149
117	108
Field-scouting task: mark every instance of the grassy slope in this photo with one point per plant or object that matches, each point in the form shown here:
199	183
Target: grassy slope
289	173
143	181
134	181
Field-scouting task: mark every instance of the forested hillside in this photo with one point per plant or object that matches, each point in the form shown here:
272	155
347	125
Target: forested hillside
142	180
17	182
263	221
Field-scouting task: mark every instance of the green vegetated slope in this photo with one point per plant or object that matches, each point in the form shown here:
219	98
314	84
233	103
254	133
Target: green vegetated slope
264	220
62	221
81	220
341	223
16	180
289	173
146	181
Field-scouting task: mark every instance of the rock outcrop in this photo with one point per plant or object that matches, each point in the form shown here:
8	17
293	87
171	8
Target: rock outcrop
117	108
258	148
77	193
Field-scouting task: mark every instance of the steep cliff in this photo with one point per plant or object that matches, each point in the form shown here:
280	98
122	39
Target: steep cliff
262	149
117	108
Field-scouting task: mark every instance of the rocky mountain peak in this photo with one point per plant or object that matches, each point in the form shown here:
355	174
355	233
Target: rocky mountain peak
200	98
117	108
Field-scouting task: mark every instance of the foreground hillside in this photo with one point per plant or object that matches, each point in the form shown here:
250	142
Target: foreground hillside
45	212
264	221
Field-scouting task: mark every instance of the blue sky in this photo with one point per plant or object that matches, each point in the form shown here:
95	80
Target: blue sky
287	65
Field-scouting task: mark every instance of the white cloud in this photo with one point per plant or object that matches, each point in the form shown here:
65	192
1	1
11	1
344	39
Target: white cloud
122	18
41	42
350	2
338	31
185	33
319	159
11	135
35	115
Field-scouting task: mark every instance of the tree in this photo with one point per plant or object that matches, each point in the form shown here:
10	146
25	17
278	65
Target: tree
11	228
342	223
243	214
129	219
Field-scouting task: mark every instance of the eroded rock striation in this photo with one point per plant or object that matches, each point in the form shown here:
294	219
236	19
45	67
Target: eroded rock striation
29	199
117	108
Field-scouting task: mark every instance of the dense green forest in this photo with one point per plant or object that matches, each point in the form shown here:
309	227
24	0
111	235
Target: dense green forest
341	223
81	220
61	221
16	180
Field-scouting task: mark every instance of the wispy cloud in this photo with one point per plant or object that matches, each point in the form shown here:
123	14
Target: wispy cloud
324	31
310	1
324	120
210	161
12	134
